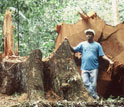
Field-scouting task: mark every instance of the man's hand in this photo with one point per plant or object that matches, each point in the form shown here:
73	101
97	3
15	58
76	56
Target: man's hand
65	38
111	62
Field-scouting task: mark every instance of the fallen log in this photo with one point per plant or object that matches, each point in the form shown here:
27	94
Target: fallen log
111	39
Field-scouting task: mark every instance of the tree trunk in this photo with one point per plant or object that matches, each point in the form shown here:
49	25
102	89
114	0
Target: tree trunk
58	78
13	77
116	18
35	76
23	76
64	77
8	34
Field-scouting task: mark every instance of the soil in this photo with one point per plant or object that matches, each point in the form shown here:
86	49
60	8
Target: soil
10	101
17	100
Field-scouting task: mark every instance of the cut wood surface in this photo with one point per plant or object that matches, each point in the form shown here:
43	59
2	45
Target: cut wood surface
8	35
110	37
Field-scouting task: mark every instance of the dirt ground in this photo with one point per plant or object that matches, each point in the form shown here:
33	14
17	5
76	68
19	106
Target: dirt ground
13	100
21	101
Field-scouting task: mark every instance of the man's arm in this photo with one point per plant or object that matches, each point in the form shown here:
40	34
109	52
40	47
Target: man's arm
78	48
109	60
101	54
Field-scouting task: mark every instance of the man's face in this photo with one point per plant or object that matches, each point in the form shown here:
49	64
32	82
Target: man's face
89	35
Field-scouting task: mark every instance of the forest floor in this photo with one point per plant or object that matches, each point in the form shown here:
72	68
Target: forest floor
20	100
13	100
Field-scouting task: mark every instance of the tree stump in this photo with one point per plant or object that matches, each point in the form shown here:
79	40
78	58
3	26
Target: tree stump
64	77
59	75
23	76
11	77
35	75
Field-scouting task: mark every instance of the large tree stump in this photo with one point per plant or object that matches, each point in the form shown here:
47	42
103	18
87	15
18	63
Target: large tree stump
63	75
35	75
59	75
23	76
11	77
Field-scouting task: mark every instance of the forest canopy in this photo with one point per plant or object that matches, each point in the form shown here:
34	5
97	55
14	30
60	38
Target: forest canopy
35	20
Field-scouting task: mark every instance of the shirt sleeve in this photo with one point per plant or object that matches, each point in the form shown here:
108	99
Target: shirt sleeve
78	48
100	50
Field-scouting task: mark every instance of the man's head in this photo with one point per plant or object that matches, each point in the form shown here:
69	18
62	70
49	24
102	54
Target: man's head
89	34
89	31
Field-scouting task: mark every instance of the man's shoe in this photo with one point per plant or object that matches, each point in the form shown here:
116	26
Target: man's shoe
96	97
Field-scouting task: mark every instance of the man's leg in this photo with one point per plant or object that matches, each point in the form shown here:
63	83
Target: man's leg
93	80
86	77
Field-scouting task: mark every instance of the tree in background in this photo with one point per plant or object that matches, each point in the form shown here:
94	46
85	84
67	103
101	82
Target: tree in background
38	18
116	17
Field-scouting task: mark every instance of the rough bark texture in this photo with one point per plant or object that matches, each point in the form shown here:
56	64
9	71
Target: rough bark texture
23	76
11	77
58	77
64	77
35	75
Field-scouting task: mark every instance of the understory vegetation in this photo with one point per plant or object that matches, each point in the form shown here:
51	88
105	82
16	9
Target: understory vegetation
34	24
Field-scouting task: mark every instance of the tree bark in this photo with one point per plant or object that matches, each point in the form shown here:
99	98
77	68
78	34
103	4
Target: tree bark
59	75
13	77
23	77
35	76
65	79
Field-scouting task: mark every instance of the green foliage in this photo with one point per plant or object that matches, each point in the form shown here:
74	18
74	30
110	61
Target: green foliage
121	10
38	18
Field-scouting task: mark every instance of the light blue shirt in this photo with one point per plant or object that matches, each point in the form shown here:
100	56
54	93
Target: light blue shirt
90	54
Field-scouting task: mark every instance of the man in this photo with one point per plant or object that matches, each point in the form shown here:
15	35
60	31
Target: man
91	51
